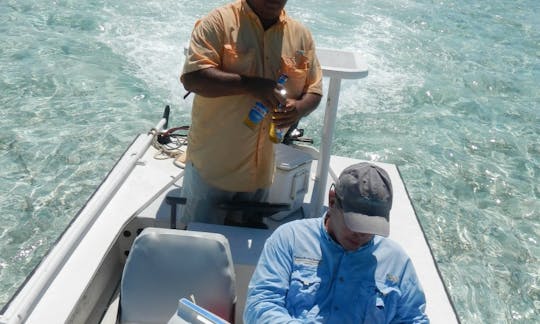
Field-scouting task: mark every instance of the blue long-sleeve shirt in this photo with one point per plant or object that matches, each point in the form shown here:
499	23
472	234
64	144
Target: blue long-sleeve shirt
304	276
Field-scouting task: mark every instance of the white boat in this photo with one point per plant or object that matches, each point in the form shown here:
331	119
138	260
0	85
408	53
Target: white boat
80	279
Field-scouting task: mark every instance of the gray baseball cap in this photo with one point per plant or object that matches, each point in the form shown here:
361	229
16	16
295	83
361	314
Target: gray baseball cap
364	191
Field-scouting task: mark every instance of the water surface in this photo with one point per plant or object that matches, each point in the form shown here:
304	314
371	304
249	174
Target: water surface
452	98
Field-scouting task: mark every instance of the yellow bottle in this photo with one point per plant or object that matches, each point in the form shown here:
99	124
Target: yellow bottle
275	136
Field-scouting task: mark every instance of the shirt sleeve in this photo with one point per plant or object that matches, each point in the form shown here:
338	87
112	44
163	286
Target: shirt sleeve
315	74
412	305
270	282
205	46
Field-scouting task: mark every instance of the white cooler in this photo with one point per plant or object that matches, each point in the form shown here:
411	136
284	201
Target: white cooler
291	179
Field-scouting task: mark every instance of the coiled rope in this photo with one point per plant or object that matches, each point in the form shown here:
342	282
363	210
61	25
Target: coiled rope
169	144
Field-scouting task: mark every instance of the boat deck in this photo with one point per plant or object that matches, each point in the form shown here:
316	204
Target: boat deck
151	180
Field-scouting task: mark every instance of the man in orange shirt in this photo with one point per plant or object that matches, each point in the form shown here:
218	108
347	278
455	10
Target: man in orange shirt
235	56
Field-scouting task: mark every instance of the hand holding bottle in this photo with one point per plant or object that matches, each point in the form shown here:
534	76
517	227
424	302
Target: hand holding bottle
265	90
287	116
272	98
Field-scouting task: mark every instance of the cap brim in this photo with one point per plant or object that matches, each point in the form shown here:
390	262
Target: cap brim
360	223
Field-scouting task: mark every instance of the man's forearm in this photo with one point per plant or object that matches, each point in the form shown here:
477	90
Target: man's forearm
268	312
308	103
212	82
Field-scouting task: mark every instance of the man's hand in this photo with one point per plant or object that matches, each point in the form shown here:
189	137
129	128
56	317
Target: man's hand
265	90
288	115
295	109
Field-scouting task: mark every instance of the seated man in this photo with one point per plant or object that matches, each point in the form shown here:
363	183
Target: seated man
339	268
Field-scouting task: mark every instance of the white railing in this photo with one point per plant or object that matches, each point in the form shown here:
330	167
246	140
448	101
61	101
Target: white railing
336	65
25	301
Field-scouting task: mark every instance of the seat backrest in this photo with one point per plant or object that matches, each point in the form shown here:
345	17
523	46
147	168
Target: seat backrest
165	265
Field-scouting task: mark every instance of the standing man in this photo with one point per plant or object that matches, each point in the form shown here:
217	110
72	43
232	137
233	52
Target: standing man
339	268
235	57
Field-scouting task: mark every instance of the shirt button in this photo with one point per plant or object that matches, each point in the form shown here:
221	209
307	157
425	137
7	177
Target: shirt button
341	279
336	308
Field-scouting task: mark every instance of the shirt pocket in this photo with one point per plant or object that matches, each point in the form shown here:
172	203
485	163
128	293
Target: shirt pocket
381	305
296	68
303	288
241	61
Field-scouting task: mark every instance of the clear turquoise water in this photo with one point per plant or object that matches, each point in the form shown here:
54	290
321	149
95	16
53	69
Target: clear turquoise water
452	97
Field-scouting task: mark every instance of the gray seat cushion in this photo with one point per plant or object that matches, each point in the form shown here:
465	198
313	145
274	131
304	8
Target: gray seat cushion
165	265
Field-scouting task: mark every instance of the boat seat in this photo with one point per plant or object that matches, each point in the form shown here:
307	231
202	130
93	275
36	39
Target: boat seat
165	265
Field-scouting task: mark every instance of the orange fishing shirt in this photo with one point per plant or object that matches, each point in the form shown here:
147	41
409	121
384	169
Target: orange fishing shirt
228	154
